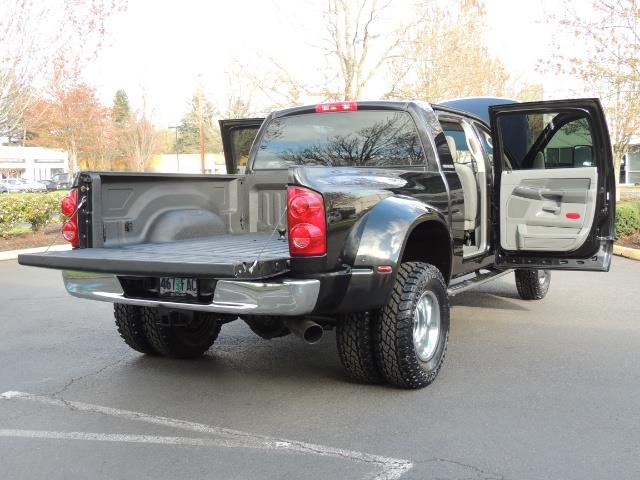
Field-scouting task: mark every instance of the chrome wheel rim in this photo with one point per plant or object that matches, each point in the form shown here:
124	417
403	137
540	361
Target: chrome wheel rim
426	326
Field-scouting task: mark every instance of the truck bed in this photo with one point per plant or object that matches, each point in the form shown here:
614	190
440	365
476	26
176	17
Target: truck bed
251	255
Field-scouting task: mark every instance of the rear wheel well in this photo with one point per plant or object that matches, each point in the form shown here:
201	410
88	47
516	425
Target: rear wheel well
429	242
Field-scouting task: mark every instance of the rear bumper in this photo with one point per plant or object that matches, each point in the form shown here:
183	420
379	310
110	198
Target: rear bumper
284	297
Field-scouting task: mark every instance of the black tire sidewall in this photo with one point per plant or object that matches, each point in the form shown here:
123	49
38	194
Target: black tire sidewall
179	341
395	349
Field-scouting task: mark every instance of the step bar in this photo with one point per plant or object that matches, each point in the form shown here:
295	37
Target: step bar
479	279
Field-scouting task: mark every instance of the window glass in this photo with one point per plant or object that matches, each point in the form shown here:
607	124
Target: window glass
369	138
456	136
547	140
241	141
487	142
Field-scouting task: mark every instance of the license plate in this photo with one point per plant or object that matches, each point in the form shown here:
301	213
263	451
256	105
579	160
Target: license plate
180	287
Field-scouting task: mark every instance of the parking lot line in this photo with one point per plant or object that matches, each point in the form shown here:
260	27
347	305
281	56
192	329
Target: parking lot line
390	468
119	437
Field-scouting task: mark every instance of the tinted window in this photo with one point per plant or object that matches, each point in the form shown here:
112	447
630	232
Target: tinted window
364	138
241	140
457	138
547	140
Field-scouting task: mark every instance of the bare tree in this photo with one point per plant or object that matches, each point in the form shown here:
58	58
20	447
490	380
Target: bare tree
607	63
351	28
359	43
35	37
139	138
445	56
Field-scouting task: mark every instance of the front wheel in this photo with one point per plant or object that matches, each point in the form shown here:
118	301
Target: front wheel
533	284
412	330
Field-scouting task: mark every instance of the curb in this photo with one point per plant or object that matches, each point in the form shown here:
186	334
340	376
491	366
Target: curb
632	253
13	254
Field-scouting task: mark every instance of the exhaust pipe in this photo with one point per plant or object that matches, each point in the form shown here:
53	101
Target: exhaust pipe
304	328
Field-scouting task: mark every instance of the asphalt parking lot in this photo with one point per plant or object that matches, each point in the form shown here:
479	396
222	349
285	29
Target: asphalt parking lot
529	390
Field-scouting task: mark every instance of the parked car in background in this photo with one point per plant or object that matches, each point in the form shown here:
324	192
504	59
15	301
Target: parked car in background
33	186
50	185
23	185
3	189
14	185
62	181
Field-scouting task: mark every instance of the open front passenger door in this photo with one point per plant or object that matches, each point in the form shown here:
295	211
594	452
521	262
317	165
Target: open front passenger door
554	185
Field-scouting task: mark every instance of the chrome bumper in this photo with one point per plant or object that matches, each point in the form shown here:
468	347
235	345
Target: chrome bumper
285	297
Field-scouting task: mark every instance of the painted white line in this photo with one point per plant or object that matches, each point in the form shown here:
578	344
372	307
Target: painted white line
391	468
119	437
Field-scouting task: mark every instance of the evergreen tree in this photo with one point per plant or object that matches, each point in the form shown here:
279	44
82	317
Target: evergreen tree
201	112
121	107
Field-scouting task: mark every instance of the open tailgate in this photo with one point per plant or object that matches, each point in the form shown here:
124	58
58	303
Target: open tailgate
253	255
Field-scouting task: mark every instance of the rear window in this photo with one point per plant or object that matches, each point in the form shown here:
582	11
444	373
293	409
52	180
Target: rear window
365	138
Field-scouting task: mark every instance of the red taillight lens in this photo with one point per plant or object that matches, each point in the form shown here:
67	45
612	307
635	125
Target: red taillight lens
68	204
68	207
306	223
70	232
337	107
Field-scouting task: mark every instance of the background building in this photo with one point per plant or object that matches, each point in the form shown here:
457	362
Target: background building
33	163
630	168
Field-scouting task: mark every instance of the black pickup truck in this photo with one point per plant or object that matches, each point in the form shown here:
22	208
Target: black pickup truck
363	216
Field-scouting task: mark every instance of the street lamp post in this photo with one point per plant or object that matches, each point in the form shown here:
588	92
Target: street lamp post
177	127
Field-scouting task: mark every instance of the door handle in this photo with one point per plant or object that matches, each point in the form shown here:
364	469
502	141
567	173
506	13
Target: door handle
550	208
547	193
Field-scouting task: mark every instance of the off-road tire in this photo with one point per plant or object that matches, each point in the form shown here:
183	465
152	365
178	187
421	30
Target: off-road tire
396	354
130	328
179	341
533	284
354	337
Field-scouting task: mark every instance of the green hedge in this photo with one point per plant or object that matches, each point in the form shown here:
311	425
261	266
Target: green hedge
36	209
627	218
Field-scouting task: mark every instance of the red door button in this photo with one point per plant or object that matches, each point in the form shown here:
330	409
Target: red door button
573	215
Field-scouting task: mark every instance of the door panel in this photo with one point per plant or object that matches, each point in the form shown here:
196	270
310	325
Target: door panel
554	187
547	210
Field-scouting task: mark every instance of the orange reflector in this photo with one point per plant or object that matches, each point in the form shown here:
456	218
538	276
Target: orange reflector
384	269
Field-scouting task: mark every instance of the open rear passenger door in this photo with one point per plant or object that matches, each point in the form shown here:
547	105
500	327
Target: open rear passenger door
554	185
237	137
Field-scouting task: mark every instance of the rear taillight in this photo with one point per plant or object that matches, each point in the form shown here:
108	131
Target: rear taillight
337	107
68	204
68	207
306	223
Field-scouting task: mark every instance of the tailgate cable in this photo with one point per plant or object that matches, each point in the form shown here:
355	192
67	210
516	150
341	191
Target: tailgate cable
276	228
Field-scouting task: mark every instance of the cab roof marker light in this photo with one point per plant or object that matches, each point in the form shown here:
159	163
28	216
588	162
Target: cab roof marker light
348	106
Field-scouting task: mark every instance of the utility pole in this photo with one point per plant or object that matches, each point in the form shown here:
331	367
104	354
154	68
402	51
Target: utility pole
201	144
177	127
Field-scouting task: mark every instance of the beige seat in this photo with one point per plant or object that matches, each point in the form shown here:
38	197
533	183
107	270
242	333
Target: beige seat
538	161
469	186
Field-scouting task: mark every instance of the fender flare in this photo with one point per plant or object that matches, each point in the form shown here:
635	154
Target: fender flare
380	238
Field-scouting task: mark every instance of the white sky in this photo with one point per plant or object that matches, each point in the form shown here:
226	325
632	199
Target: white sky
164	48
